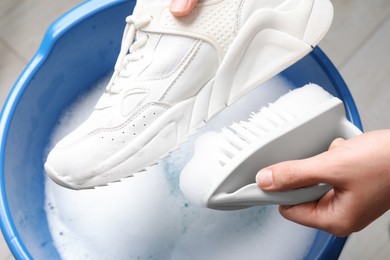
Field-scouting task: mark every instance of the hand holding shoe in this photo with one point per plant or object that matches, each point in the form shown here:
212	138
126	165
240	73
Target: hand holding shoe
182	7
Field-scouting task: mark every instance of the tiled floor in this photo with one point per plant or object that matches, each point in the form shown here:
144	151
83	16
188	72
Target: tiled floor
357	43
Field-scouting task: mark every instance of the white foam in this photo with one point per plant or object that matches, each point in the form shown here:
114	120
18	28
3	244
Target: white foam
195	178
147	217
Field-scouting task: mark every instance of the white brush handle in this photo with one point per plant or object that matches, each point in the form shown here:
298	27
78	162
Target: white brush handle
348	130
251	195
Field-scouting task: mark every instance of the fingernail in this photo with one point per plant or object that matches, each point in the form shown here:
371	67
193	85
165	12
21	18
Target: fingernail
264	178
178	5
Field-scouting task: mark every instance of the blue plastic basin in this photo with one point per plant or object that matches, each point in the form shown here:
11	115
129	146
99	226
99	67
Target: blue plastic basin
78	49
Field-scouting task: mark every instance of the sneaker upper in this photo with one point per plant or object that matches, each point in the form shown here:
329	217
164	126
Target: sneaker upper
163	61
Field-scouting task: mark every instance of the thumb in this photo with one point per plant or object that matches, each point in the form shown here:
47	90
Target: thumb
295	174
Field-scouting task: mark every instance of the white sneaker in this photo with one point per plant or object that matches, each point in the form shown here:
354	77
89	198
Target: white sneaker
181	72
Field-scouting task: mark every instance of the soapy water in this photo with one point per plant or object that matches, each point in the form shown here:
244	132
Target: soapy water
147	216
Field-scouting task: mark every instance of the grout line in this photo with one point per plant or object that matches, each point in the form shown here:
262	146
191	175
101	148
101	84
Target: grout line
9	9
11	49
363	42
13	7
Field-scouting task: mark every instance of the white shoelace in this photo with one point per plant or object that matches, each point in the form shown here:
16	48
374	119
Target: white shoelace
128	52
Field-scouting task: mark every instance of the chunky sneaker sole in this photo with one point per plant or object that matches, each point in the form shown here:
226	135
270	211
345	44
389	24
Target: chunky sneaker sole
174	74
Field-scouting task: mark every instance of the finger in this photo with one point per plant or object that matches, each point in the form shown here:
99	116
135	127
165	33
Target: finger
318	214
336	142
302	214
182	7
296	174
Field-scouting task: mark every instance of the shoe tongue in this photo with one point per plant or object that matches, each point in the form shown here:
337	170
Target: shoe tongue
145	3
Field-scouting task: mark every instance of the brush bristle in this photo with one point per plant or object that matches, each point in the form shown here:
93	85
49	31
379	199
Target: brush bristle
288	107
215	150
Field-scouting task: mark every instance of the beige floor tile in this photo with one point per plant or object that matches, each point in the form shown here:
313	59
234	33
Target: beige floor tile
367	74
372	242
25	34
4	251
353	23
7	5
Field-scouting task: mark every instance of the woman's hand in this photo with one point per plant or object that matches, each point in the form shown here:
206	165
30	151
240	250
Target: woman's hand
359	171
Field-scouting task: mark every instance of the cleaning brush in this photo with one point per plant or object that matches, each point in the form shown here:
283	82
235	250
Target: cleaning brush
302	123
